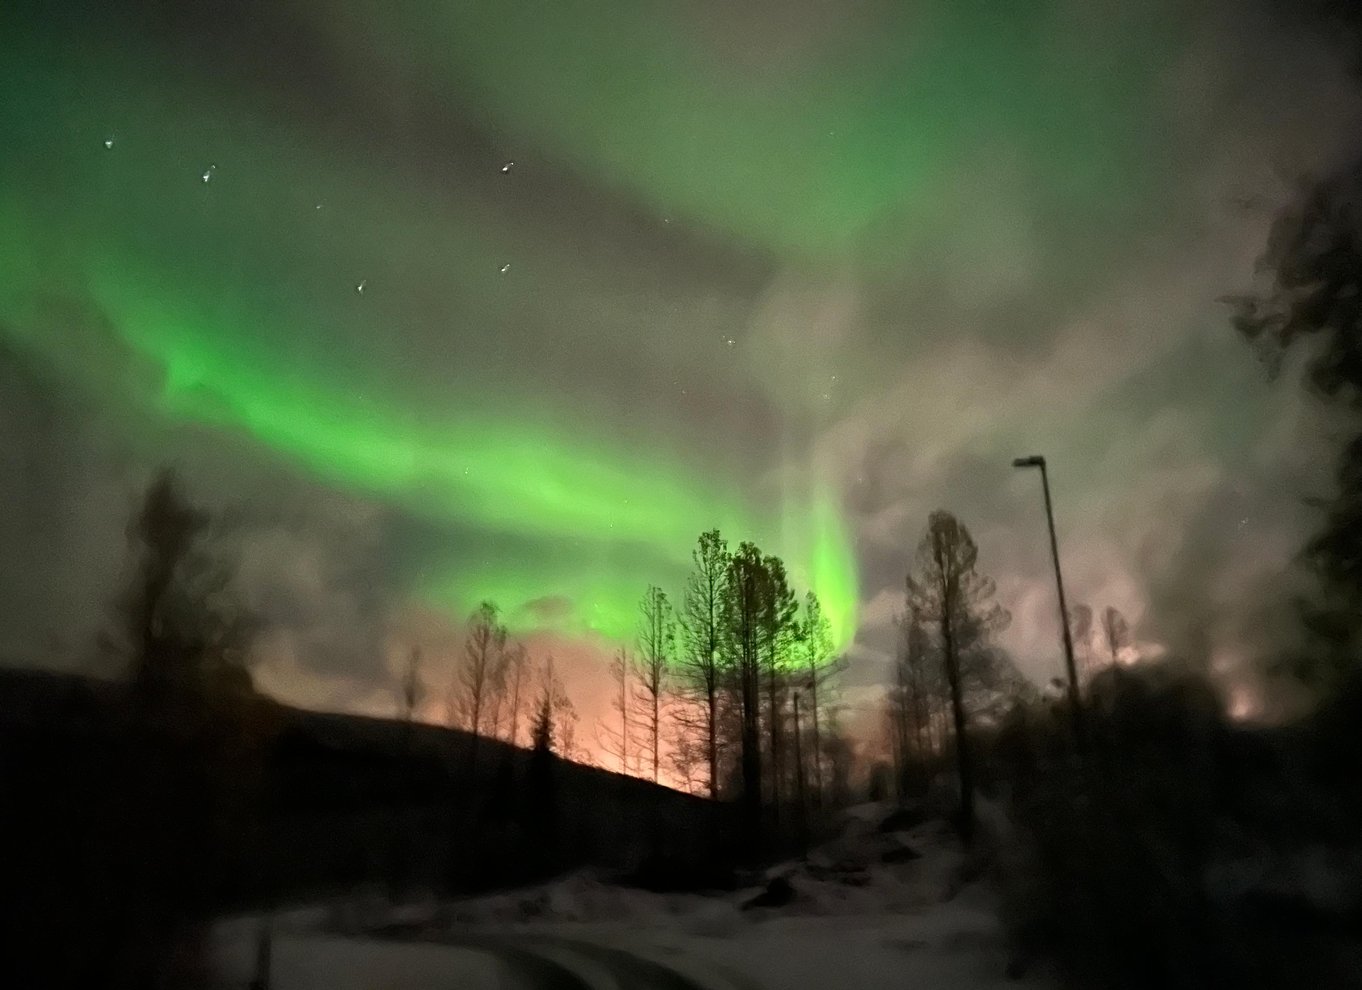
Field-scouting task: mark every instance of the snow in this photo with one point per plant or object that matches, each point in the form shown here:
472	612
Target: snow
320	962
856	922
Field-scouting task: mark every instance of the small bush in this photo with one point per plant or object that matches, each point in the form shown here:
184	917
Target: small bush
1108	862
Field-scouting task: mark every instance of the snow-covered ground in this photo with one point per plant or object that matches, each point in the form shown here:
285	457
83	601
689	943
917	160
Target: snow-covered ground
865	914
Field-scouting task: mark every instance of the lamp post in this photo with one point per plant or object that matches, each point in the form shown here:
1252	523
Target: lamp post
1036	460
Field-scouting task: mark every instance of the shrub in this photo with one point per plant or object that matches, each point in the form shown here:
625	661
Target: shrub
1109	860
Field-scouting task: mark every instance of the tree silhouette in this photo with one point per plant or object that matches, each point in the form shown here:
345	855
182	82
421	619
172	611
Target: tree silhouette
181	629
411	684
703	629
779	608
478	677
656	644
1116	632
562	714
745	600
1080	634
173	807
618	741
514	691
818	668
541	729
947	591
916	695
1314	255
541	804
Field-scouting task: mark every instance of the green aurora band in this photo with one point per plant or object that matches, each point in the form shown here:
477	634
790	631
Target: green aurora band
847	149
493	474
224	343
501	476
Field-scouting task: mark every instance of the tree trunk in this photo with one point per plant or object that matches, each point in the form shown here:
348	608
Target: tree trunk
713	754
515	707
473	748
657	727
751	757
817	743
962	760
802	823
774	715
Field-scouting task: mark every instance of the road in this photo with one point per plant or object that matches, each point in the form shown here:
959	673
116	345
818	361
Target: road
398	959
555	962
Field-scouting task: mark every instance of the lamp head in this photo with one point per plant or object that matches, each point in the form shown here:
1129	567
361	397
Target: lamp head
1035	460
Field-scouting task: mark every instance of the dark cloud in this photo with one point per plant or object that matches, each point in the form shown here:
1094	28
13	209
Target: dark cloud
551	609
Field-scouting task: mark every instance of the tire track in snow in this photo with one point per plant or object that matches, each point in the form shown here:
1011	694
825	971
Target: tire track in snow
551	962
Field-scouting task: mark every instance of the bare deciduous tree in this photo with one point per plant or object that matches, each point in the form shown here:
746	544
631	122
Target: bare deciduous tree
779	608
947	591
701	663
745	598
515	689
656	645
914	699
478	677
1117	633
1081	633
618	740
818	668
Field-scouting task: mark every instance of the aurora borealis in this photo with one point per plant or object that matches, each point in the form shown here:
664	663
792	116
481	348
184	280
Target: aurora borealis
529	294
236	347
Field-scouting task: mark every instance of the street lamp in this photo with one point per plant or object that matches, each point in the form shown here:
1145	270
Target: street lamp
1036	460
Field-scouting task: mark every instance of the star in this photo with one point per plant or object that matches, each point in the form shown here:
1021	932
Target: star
108	141
208	172
507	167
360	288
505	268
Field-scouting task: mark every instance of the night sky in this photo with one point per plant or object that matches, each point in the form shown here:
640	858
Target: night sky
437	302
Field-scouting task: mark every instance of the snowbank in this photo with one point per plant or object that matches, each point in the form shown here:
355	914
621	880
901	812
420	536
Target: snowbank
873	909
